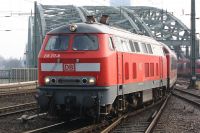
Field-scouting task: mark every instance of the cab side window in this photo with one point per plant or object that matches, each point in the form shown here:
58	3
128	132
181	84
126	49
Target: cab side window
110	43
137	48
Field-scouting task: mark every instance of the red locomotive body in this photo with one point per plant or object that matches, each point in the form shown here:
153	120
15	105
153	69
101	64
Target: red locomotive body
171	66
99	68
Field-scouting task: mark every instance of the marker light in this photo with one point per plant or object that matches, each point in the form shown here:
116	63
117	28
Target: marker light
47	80
91	81
73	27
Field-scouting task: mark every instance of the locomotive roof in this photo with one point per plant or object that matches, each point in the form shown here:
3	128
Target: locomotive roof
85	28
101	28
171	52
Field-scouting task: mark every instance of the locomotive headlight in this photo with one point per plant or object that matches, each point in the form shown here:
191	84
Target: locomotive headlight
92	81
73	27
47	80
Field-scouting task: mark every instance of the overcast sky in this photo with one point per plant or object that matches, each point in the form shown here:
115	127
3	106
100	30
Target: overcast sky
13	29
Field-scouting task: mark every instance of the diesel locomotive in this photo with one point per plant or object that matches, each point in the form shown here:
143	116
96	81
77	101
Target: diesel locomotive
95	69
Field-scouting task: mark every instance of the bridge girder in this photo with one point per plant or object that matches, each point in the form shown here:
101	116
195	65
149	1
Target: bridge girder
117	17
149	21
164	26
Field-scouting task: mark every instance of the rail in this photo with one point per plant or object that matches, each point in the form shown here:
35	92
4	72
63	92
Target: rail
43	129
148	127
189	93
189	97
156	118
69	124
17	108
109	126
17	88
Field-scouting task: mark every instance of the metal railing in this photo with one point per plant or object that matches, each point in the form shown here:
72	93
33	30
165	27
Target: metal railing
18	75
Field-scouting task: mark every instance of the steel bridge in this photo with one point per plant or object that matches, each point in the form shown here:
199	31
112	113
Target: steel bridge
150	21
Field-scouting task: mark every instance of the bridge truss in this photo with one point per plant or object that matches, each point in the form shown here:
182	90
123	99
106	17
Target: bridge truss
153	22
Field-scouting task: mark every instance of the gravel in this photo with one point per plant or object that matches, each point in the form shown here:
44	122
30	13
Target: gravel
179	117
11	124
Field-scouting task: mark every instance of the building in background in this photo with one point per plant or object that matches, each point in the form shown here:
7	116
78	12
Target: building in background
120	2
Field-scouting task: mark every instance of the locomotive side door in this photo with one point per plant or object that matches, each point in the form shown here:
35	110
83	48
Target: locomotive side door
120	68
161	67
120	81
161	70
119	60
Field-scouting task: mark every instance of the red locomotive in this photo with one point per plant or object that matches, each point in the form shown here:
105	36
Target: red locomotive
95	69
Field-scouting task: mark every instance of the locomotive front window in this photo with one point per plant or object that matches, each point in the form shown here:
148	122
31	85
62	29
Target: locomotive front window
85	42
59	43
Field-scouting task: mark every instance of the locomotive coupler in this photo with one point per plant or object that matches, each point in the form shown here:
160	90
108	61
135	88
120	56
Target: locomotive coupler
70	101
97	104
51	104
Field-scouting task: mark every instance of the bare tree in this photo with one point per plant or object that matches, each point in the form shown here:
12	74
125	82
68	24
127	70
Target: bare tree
13	63
2	62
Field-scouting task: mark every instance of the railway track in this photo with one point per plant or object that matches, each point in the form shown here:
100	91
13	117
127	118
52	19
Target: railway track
18	88
61	126
105	126
125	124
18	93
187	96
130	122
183	81
47	128
5	111
141	121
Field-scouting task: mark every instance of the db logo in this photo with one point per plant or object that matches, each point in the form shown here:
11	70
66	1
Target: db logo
68	67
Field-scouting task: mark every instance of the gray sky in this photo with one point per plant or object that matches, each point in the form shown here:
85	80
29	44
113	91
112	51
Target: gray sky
12	43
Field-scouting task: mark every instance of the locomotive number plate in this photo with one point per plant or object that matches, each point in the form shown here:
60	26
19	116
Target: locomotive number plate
68	67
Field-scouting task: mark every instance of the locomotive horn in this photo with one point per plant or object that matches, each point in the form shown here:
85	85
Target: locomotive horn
91	19
104	19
